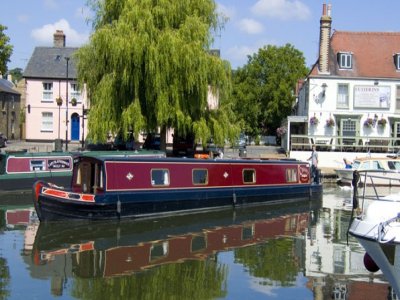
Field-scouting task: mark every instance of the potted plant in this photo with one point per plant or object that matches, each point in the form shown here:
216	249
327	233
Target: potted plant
330	122
382	122
314	120
59	101
74	102
369	122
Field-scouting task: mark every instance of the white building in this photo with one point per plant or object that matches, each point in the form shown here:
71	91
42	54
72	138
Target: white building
351	97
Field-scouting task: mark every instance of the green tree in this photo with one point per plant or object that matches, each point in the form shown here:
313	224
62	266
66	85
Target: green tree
264	89
16	74
148	66
5	50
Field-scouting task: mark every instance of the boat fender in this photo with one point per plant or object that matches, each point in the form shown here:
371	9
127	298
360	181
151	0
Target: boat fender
119	209
370	264
234	199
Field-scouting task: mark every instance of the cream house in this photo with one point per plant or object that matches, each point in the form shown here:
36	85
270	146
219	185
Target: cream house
351	97
54	102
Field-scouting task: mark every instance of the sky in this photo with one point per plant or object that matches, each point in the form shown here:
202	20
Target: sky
250	25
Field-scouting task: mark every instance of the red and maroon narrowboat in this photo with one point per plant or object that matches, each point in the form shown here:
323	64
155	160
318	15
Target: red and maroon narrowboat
121	187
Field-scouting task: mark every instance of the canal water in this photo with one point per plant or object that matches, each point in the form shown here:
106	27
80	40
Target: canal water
291	251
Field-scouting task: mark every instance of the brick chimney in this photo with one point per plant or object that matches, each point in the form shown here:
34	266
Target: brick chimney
324	39
59	39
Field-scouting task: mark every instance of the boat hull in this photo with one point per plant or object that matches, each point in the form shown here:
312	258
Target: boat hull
24	183
345	177
150	203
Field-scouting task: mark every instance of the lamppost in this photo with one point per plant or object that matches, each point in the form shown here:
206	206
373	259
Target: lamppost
66	112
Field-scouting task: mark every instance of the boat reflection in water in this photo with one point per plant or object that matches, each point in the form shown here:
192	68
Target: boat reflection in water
183	248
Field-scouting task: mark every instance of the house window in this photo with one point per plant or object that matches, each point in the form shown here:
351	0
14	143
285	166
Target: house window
75	92
345	60
397	98
47	92
47	121
343	96
397	61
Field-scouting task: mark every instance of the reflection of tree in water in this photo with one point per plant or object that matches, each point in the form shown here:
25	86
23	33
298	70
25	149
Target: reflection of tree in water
273	260
4	279
188	280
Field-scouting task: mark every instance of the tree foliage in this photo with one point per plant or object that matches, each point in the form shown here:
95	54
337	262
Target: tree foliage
264	89
5	50
16	74
148	66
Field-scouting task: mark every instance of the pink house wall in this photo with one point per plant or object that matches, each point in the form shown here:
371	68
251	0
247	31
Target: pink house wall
34	100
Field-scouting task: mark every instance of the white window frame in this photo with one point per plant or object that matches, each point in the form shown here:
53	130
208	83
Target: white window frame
345	60
342	100
47	121
75	92
47	95
397	61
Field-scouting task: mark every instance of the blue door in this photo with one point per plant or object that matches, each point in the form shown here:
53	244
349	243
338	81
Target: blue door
75	127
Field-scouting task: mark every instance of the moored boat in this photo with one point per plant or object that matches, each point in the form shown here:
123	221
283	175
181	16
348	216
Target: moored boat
377	225
19	170
376	164
121	187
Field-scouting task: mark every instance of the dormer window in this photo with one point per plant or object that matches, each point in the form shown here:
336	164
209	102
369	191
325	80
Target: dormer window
397	61
345	60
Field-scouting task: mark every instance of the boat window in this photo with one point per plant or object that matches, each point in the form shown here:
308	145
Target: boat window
159	250
199	243
247	232
291	175
200	176
249	176
160	177
394	165
2	163
376	165
37	165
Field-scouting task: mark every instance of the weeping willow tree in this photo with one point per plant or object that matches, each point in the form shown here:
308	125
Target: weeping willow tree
148	67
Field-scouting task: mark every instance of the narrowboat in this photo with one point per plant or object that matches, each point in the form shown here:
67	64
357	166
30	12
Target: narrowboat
19	170
125	187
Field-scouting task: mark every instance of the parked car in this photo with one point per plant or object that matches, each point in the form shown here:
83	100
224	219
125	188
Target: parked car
183	145
152	142
3	140
120	143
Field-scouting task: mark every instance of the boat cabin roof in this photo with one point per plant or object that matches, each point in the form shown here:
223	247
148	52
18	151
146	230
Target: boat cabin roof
180	159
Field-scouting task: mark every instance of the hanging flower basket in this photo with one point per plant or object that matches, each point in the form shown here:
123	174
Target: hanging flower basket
382	122
280	131
369	122
74	102
314	120
59	101
330	122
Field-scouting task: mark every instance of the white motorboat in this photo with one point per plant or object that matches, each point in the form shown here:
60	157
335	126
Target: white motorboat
377	225
381	164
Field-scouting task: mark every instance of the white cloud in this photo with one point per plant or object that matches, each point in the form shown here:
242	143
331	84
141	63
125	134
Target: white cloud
44	35
282	9
250	26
